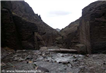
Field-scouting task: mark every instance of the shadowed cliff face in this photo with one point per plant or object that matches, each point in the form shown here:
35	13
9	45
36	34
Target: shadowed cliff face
8	31
6	4
26	32
93	27
23	28
16	32
89	30
22	9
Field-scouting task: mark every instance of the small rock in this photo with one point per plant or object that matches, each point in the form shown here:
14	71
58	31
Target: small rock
81	67
3	64
74	57
104	63
42	69
65	68
75	60
62	56
87	55
47	60
29	57
65	62
43	49
30	62
18	59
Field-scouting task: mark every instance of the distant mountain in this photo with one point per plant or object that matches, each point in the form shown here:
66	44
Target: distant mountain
58	29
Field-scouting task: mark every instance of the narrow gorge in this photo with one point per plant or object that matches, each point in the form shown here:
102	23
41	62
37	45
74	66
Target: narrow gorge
26	40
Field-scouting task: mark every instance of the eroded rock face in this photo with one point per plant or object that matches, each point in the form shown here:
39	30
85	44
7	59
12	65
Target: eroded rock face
23	10
26	32
8	31
89	29
24	28
70	34
93	27
16	32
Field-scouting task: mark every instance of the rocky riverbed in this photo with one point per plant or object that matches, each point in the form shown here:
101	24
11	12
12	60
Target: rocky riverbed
37	61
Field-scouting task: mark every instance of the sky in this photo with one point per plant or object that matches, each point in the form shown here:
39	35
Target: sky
59	13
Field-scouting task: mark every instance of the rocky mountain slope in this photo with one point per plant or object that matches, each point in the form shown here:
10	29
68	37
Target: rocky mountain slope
22	28
90	29
22	9
70	35
58	29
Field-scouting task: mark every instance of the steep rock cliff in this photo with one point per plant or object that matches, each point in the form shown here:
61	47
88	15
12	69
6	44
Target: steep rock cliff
92	27
17	33
30	32
89	32
22	9
8	31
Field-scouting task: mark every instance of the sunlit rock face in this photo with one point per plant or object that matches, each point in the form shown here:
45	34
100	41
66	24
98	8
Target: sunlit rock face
92	28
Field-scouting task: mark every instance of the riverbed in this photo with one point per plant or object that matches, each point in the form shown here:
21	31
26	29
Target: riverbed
53	62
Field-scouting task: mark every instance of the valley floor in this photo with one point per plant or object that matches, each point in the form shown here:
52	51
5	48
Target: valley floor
40	61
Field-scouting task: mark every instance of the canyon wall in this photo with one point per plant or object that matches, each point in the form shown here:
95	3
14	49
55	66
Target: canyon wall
90	30
21	28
